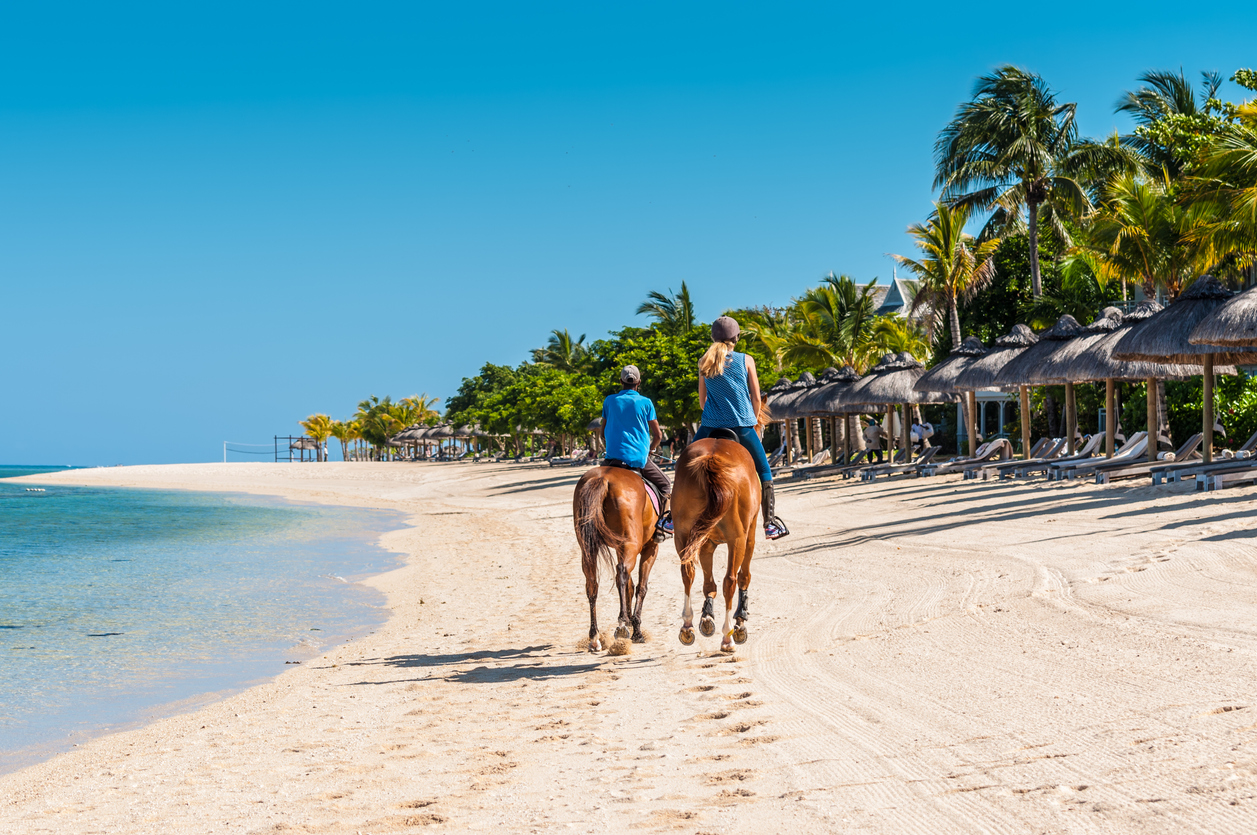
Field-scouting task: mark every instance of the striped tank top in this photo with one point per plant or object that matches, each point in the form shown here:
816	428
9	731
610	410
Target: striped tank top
728	397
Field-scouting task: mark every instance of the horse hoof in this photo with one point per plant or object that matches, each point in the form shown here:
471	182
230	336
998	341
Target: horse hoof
707	626
687	635
726	647
621	632
639	638
595	645
739	634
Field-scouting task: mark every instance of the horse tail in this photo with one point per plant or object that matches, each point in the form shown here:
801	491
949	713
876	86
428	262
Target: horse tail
707	470
595	536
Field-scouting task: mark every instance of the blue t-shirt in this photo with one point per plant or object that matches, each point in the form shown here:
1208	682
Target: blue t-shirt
626	417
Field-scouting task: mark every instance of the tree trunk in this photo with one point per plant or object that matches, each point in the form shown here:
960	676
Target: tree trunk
954	316
1036	282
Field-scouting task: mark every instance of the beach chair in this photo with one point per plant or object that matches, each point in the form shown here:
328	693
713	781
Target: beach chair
1182	470
1184	453
997	450
1130	452
899	457
1047	449
914	468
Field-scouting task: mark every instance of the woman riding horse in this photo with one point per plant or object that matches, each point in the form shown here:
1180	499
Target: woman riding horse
728	390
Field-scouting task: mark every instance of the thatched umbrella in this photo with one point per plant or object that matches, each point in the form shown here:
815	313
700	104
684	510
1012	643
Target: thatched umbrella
783	405
1165	338
893	380
825	399
1090	358
980	374
1028	367
942	377
1233	325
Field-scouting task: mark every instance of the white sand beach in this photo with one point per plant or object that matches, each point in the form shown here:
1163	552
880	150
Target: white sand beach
929	656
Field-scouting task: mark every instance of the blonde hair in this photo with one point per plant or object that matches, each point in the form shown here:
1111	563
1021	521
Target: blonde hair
713	362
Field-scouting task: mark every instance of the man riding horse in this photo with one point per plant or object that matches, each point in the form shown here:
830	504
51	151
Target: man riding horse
728	390
630	430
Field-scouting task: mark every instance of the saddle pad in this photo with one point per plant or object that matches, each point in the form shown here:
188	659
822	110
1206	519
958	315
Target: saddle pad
652	492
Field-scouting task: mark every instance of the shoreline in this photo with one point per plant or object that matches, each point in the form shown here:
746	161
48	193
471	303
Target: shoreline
925	656
338	607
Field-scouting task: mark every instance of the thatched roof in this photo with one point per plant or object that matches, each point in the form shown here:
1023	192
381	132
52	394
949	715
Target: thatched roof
440	432
1164	337
942	377
980	374
782	405
893	381
825	398
1027	368
1054	368
1234	324
304	443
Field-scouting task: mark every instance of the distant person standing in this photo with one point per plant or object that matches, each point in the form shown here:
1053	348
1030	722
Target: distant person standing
873	440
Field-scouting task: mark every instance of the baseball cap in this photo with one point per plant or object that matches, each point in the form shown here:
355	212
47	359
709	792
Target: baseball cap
725	329
630	374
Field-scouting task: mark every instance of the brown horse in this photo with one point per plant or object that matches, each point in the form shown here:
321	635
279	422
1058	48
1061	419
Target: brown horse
715	501
612	513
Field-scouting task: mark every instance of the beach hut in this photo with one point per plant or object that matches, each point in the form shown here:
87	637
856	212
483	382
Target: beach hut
1233	325
301	445
1165	338
943	376
893	381
1026	369
980	374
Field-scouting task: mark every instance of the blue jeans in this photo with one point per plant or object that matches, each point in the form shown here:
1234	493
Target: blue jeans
748	438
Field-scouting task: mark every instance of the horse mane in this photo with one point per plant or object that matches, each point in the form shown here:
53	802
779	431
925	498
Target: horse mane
595	537
721	493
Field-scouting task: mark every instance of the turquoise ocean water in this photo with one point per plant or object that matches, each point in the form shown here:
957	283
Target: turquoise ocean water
117	605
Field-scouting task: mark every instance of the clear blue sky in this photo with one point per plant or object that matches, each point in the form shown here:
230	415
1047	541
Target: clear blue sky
216	220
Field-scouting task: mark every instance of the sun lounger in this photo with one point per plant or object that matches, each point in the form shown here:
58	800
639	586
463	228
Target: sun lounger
914	468
852	471
1180	471
1047	449
1130	453
996	450
1229	477
1186	452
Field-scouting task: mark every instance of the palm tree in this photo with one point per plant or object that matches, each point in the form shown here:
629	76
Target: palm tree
1141	233
954	267
563	352
674	314
834	324
343	432
1166	100
418	408
1014	149
318	427
893	334
1225	191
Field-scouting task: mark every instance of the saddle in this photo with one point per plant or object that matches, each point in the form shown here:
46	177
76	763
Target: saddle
725	435
652	492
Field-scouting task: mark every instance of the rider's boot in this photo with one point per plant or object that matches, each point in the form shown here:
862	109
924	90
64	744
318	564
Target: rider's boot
663	528
774	528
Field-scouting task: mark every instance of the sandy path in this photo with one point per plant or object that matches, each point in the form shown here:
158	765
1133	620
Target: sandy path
929	656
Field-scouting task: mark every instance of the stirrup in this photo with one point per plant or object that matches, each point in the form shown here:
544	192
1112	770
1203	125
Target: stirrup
663	527
776	529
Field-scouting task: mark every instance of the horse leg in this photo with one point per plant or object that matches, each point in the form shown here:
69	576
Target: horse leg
591	591
707	623
624	583
743	612
687	627
737	548
643	575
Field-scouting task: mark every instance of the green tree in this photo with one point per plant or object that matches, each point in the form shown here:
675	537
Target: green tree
319	428
833	325
562	352
1014	149
673	313
1173	125
953	267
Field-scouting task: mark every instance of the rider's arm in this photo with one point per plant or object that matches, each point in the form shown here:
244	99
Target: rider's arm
656	435
702	391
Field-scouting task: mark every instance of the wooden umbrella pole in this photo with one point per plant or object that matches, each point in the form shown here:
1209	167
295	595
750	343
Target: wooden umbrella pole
785	433
1208	415
907	433
1025	422
1110	415
1153	424
846	438
1071	416
890	432
973	423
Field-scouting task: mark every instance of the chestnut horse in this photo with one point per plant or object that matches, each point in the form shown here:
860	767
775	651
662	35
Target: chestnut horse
715	501
612	513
